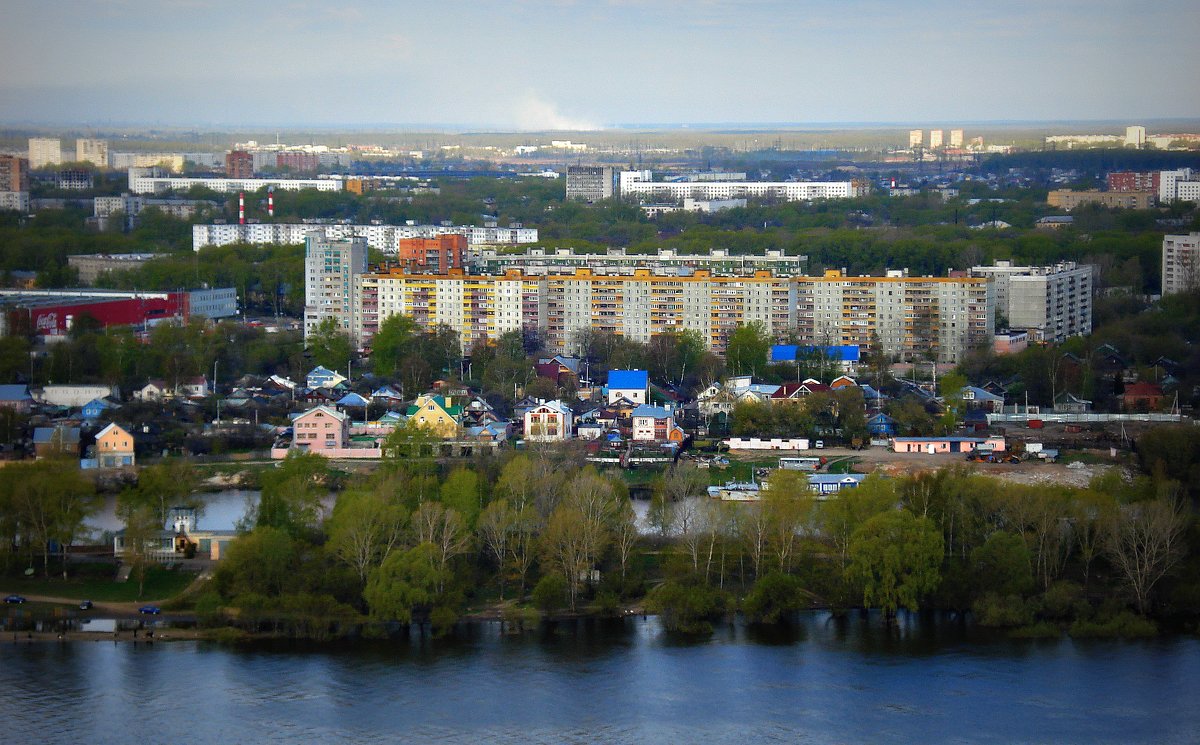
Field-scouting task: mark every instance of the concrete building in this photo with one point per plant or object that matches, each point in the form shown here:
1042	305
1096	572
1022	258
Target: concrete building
44	151
153	181
1180	263
909	318
719	261
432	255
591	183
213	303
935	138
1180	185
956	138
709	206
1067	199
641	184
1133	181
14	173
92	151
91	266
296	161
915	137
549	421
1135	136
14	200
384	238
73	179
332	272
172	162
239	164
1053	303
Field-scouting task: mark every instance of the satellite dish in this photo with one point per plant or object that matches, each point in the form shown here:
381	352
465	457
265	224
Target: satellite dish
29	572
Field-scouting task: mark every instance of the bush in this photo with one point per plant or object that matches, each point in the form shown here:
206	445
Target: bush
208	609
1061	600
1125	625
608	604
686	607
773	598
1039	630
442	618
1003	611
550	593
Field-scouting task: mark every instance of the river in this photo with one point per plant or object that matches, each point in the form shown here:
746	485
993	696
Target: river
826	681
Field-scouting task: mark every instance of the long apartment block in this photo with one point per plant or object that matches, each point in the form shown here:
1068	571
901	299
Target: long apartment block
385	238
935	318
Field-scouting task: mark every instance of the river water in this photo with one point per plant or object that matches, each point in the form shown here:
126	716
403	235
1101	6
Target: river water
826	681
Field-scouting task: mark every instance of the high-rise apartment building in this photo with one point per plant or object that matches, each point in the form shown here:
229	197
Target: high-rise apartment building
436	255
1180	185
906	317
956	138
1135	136
914	138
935	138
332	274
641	183
239	164
1180	263
44	151
92	151
14	173
590	183
1052	302
1133	181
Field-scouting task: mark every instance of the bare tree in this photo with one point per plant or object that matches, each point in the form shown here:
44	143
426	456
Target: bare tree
445	530
496	526
1145	541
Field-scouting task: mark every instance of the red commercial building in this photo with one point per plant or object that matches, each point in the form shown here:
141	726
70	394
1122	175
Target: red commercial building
55	315
433	255
1133	181
239	164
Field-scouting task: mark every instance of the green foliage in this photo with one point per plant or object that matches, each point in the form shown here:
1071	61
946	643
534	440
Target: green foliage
686	606
773	598
1003	565
405	584
262	561
292	493
1124	625
550	592
330	345
1003	611
895	557
747	348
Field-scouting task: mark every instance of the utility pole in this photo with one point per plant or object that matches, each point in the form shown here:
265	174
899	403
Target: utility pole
215	363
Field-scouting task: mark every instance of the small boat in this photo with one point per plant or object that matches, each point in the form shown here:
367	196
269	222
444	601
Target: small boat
736	491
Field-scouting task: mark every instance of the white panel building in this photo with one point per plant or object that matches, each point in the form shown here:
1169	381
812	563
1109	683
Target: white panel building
1052	302
640	183
332	272
385	238
1180	263
150	181
44	151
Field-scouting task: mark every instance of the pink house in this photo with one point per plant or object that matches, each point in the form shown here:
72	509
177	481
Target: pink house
938	445
321	430
1010	342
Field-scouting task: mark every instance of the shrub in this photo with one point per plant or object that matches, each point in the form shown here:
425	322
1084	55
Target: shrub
1061	600
1003	611
774	597
1125	625
686	607
550	593
1039	630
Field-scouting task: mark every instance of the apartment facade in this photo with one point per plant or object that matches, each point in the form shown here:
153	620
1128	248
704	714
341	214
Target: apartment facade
619	261
590	183
910	318
150	181
44	151
1053	303
92	151
1067	199
385	238
332	274
640	183
1180	263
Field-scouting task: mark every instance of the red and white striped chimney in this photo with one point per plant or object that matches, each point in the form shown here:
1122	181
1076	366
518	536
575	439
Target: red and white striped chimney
271	202
241	208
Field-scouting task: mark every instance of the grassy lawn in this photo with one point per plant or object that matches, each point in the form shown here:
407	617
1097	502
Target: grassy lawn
96	582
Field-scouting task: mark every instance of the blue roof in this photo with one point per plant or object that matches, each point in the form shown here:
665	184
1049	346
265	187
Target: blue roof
351	399
881	417
980	394
43	435
837	353
657	412
942	439
628	379
15	393
836	478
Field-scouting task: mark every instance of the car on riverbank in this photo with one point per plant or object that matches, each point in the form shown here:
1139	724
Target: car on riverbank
14	600
85	605
149	610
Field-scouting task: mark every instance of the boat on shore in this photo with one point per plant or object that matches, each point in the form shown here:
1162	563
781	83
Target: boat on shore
736	491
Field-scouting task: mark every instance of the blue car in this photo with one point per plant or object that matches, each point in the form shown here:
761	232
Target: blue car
149	610
14	600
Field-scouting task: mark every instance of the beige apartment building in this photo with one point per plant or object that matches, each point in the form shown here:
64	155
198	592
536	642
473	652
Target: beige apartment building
1067	199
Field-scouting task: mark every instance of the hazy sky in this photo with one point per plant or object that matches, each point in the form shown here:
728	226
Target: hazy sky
536	64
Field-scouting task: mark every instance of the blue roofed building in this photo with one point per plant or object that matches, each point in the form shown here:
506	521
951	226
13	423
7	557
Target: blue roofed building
882	425
632	385
845	355
16	397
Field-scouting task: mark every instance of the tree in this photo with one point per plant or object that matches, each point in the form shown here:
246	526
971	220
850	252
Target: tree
1144	542
169	484
292	494
330	345
895	557
839	518
774	596
51	502
262	561
364	529
747	348
407	581
143	531
444	529
578	529
497	523
392	342
1002	565
788	505
460	492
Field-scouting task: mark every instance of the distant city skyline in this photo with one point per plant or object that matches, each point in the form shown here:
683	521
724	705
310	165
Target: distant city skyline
566	64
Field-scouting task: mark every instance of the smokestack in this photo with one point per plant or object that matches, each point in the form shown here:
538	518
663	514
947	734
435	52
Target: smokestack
271	202
241	208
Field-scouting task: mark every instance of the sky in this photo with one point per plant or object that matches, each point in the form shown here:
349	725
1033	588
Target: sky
585	64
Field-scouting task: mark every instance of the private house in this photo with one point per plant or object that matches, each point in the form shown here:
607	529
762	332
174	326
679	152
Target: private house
882	425
832	483
196	387
744	389
549	421
490	433
939	445
155	390
715	400
56	442
654	424
96	408
183	538
438	414
1142	396
978	398
563	371
323	377
387	395
16	397
1010	342
1069	403
321	430
114	447
589	430
797	391
633	385
843	381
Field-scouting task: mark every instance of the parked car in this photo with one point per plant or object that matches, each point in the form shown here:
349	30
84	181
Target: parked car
14	600
85	605
149	610
819	444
